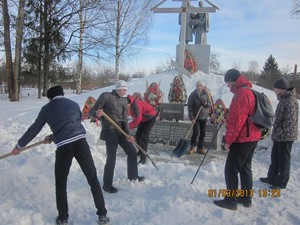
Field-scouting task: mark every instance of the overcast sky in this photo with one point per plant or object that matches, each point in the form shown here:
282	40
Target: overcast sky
241	31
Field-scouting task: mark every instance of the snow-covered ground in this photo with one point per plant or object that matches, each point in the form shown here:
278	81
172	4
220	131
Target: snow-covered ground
27	194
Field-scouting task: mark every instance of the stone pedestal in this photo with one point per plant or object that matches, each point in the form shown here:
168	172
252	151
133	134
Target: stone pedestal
200	53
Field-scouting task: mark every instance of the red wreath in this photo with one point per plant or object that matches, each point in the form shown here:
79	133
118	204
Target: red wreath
177	92
189	62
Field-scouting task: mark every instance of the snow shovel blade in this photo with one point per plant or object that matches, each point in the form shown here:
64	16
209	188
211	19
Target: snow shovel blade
181	148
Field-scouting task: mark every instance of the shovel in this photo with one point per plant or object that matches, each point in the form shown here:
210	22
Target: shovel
206	153
23	149
127	136
184	143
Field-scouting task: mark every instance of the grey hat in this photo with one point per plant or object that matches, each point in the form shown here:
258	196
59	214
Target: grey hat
199	83
232	75
281	83
121	84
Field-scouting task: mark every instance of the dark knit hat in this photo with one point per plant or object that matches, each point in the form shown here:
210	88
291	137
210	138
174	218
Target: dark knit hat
232	75
55	91
281	83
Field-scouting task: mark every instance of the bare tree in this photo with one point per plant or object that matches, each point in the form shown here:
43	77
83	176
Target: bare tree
164	66
50	29
1	29
253	71
253	67
129	21
82	21
286	70
236	65
7	46
13	70
89	19
296	9
214	62
61	29
18	49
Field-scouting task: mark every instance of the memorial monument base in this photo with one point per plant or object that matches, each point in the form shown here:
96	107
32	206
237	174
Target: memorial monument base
201	54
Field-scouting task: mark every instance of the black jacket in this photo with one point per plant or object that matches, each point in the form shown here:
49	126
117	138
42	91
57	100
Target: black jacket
115	107
196	100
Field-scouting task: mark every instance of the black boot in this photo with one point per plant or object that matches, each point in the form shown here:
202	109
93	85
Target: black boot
111	189
61	222
226	204
246	202
266	180
103	219
142	159
138	178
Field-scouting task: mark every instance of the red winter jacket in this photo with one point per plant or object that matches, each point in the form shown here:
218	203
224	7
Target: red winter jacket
240	128
140	111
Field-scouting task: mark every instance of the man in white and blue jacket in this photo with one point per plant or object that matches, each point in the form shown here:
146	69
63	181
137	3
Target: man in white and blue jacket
64	118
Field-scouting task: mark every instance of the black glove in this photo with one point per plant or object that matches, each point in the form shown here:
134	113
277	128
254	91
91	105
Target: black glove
203	102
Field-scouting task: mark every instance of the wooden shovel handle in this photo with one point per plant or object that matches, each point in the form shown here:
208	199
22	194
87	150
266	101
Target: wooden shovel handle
23	149
127	136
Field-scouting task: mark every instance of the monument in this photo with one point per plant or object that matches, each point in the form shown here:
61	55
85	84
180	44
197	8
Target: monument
191	58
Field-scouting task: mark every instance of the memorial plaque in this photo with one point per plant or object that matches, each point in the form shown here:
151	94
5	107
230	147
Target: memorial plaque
210	133
178	131
170	133
171	111
160	133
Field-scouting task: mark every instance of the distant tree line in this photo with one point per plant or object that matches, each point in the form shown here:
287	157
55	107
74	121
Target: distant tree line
102	77
269	73
38	37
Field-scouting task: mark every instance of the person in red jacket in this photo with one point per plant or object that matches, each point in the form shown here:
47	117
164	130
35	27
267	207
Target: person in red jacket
144	117
241	139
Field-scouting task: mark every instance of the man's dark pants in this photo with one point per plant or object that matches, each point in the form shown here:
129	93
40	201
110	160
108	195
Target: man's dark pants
112	143
239	161
143	133
64	155
199	130
279	170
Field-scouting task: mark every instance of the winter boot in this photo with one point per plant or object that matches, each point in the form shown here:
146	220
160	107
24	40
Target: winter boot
266	180
142	159
226	204
111	189
201	151
103	219
61	222
138	178
247	203
191	150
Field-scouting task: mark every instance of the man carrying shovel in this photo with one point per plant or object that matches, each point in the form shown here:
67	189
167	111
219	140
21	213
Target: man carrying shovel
64	119
112	105
199	97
